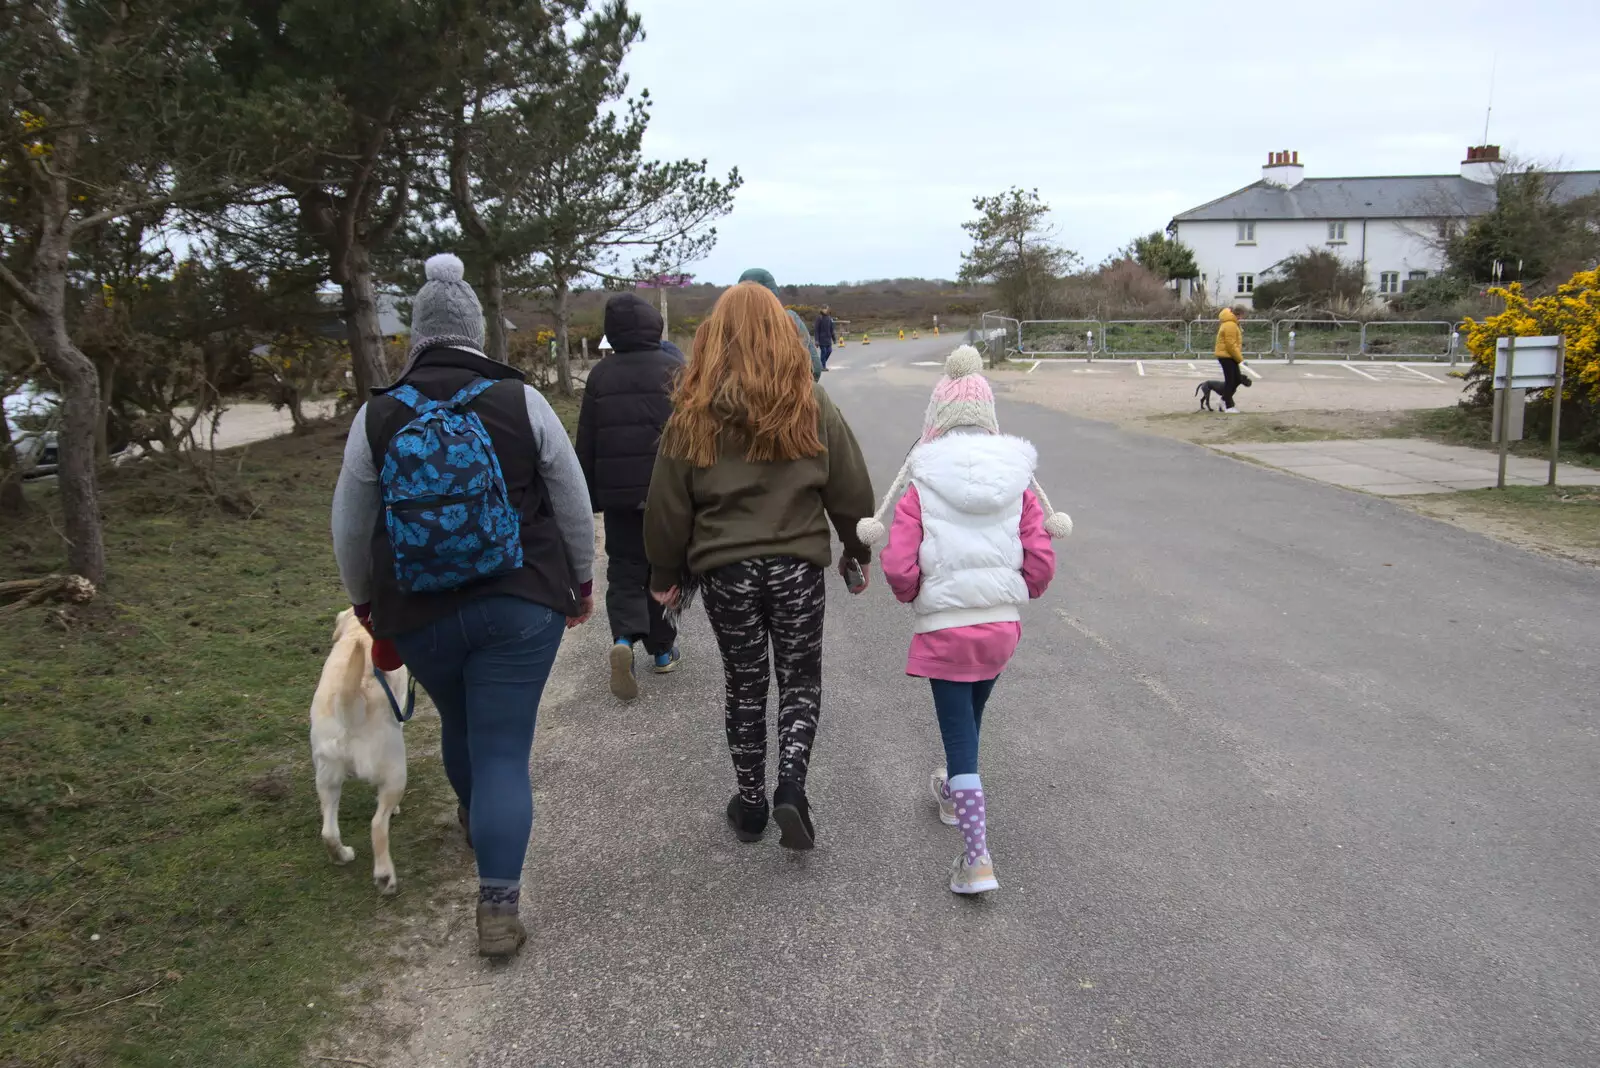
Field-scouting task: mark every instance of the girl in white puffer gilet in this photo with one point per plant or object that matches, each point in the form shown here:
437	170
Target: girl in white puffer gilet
969	545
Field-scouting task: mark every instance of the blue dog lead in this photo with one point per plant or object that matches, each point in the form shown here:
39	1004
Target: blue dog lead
394	705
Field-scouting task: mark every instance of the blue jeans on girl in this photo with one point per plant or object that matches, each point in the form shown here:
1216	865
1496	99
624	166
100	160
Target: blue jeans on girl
959	706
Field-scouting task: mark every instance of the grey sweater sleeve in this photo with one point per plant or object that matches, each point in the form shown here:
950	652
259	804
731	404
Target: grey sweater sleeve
356	503
569	491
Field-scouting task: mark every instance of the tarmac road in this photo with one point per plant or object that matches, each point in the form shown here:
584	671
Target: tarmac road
1281	775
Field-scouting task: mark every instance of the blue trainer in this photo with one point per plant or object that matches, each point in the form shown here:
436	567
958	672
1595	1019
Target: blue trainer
667	663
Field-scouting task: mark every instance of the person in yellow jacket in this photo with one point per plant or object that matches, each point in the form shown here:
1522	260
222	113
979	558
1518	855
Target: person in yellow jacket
1230	354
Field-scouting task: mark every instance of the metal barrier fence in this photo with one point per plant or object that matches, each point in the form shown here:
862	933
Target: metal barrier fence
1059	337
1143	337
1338	339
1259	338
1426	340
998	336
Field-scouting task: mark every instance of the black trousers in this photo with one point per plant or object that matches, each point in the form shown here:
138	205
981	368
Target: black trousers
634	614
1231	374
768	611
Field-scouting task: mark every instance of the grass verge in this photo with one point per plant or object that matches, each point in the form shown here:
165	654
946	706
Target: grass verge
1561	520
165	895
1471	427
1213	428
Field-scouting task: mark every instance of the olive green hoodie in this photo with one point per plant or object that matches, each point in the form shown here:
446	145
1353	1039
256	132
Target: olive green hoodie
700	518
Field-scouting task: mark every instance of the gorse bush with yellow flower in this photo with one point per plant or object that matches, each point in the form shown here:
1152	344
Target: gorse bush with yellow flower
1572	311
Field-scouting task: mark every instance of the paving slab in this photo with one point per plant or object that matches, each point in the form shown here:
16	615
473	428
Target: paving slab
1370	463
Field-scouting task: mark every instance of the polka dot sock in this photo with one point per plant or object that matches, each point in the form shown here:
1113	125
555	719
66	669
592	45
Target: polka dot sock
967	792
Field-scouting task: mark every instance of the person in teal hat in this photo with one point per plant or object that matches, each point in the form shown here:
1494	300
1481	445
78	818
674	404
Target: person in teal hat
762	276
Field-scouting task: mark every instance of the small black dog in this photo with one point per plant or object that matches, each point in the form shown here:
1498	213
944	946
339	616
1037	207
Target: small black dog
1205	389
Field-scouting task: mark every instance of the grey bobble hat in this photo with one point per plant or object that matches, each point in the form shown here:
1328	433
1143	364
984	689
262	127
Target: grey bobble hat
445	310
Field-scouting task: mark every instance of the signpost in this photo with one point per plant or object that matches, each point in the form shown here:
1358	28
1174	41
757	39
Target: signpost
1521	364
664	282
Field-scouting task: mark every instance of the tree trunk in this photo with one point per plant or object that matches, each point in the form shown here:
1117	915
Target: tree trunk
494	317
297	411
367	362
563	360
107	375
75	442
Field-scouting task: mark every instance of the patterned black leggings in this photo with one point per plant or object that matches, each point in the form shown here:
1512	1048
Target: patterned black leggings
775	599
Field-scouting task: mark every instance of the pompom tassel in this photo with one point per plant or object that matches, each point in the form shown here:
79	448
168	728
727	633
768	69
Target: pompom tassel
871	531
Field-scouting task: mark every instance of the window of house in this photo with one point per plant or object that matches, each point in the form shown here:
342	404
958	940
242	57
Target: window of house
1247	233
1417	276
1336	232
1245	285
1389	282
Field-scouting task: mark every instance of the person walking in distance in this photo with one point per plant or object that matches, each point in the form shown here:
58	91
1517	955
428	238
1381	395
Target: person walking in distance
1229	351
462	529
825	335
754	465
969	545
626	403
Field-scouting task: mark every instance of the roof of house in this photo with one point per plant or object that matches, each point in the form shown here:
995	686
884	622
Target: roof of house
1420	196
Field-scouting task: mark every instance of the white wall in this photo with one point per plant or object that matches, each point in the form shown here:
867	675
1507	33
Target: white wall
1391	245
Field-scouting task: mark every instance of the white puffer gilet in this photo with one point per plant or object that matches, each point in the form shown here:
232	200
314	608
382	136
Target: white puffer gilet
970	486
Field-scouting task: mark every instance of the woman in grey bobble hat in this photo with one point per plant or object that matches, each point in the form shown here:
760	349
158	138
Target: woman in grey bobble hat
483	649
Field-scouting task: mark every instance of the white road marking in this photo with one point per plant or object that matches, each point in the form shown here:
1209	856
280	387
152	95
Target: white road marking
1423	374
1251	371
1359	371
1034	368
1140	365
925	363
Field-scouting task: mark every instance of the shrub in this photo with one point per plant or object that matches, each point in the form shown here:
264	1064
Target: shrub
1572	311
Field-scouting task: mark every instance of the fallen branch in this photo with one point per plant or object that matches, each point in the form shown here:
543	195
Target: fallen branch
74	589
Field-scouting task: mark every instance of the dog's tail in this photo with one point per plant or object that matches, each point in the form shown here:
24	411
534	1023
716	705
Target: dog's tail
355	671
1198	388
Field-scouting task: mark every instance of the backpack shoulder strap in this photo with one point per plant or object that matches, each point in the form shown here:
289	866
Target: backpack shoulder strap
469	393
411	398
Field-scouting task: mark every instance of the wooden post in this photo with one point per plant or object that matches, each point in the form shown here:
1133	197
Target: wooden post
1505	410
1555	409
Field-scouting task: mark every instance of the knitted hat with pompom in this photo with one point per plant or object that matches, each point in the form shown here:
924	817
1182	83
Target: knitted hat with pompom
445	310
962	397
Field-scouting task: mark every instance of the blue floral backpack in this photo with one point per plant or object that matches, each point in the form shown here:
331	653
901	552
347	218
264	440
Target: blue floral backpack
446	508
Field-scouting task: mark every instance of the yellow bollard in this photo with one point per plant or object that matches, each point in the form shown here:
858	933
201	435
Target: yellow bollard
866	339
902	335
915	334
936	331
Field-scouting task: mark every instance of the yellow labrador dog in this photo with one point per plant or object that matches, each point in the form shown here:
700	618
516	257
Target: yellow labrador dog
354	732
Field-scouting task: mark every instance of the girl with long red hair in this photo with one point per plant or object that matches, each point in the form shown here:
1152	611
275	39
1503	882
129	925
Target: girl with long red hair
754	465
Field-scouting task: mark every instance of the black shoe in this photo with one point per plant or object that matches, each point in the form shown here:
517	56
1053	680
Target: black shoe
748	823
793	813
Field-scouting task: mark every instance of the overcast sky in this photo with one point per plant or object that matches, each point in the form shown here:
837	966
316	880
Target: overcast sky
864	129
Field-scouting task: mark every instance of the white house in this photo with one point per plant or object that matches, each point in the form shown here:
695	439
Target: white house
1391	226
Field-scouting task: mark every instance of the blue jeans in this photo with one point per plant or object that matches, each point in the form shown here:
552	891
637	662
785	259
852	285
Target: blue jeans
485	667
825	351
959	706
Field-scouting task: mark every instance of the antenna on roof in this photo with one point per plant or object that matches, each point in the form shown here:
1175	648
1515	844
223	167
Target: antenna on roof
1493	63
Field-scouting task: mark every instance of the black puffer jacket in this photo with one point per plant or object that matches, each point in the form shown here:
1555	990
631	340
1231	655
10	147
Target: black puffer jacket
626	403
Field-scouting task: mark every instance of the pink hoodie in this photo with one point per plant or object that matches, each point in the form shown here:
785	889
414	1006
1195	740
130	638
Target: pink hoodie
963	654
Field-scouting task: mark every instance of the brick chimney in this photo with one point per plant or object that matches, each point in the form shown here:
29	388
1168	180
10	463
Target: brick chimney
1283	169
1483	164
